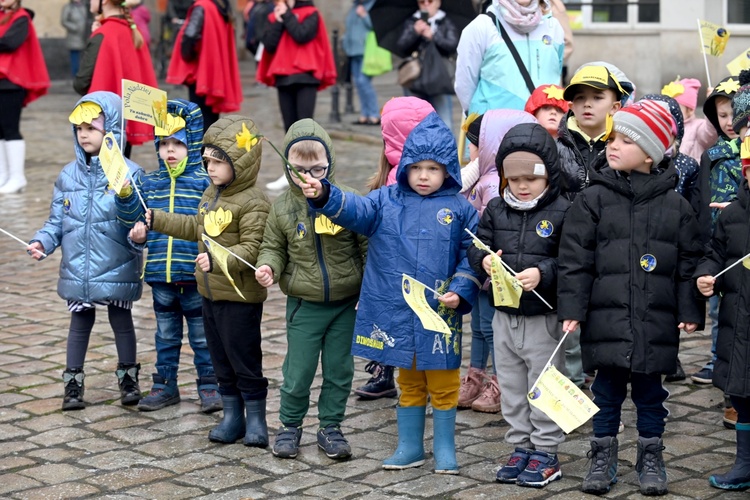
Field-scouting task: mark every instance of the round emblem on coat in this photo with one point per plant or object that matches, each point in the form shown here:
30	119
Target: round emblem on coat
648	262
66	205
203	209
445	216
544	228
535	393
407	286
301	230
547	40
473	194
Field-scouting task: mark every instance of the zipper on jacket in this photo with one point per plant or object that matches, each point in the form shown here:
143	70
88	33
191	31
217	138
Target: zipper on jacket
323	269
524	220
294	311
630	288
538	63
172	187
87	232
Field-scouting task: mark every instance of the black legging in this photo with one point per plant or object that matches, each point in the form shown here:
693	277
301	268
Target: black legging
11	102
297	101
209	117
81	324
742	405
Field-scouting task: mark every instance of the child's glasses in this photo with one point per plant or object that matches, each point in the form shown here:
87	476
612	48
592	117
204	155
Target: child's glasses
316	172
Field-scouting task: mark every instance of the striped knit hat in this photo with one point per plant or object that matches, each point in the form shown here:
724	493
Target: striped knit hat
649	124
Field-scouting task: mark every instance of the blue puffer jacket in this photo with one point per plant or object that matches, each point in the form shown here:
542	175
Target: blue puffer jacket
171	260
422	236
98	262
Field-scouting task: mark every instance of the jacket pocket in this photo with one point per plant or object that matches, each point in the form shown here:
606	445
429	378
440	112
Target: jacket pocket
290	318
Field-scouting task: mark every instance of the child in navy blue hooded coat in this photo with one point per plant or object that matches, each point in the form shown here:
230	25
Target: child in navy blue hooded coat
415	227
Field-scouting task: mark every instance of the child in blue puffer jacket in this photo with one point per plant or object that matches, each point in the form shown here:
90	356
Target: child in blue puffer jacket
99	266
416	228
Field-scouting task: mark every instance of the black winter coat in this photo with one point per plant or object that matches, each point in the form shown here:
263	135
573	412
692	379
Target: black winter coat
527	238
577	157
627	256
730	243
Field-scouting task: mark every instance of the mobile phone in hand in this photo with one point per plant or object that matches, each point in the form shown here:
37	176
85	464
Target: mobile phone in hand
424	16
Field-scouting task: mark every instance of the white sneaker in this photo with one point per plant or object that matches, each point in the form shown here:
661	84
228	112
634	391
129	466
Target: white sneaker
278	184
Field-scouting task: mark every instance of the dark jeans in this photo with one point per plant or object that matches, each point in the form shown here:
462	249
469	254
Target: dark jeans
209	117
233	336
610	388
297	101
742	405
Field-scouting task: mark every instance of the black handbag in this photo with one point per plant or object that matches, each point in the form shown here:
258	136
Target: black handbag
437	75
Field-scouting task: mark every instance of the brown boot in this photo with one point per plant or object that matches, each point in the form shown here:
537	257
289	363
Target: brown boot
730	418
471	388
489	401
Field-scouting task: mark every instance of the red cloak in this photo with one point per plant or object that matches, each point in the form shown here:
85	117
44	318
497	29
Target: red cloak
117	59
25	66
313	57
214	72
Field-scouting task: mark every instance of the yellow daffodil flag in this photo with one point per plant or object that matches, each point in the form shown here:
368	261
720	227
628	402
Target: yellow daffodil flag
506	289
561	400
113	163
219	255
413	292
739	63
142	103
714	38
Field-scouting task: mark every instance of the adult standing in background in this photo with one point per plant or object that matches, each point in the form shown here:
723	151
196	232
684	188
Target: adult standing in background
205	59
559	12
487	76
297	60
74	17
142	17
428	25
358	25
23	78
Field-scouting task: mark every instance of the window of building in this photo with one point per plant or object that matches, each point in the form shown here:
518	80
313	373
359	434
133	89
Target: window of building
738	12
627	12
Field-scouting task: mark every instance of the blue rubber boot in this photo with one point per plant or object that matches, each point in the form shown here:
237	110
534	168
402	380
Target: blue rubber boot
256	430
410	450
444	441
738	478
232	426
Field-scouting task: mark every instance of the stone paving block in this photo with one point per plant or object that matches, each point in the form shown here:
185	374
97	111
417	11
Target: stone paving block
60	435
56	454
116	460
96	413
11	398
175	445
55	473
338	490
122	422
14	462
29	366
8	432
58	492
135	435
50	390
189	462
165	489
17	482
373	440
186	423
432	486
275	466
352	468
241	494
48	422
13	447
96	445
295	482
381	495
128	478
40	406
220	477
384	478
28	380
497	490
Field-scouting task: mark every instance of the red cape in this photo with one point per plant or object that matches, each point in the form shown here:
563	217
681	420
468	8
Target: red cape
313	57
214	72
25	66
117	59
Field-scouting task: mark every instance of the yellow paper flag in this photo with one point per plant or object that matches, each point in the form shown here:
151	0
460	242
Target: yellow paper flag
142	103
506	289
714	38
219	254
739	63
113	163
413	292
561	400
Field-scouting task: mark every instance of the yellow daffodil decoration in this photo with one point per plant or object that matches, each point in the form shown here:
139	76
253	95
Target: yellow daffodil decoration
159	109
172	124
673	89
86	112
728	87
247	140
216	221
554	93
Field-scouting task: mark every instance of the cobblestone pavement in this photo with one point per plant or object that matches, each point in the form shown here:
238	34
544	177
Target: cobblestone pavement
109	451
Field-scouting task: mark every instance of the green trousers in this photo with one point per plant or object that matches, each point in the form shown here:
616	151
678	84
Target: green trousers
317	330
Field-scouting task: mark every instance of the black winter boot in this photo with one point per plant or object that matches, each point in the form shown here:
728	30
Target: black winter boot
73	380
652	473
381	385
738	478
603	472
127	379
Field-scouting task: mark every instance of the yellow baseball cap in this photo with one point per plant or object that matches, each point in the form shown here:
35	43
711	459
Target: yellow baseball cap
598	77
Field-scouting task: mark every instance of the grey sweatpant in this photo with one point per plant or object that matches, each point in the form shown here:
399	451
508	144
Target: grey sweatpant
523	344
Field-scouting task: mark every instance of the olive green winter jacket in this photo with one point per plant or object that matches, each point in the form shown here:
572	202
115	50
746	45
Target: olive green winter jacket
306	263
240	227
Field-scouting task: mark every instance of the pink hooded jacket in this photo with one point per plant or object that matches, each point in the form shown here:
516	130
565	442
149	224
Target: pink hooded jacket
399	117
699	136
495	124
